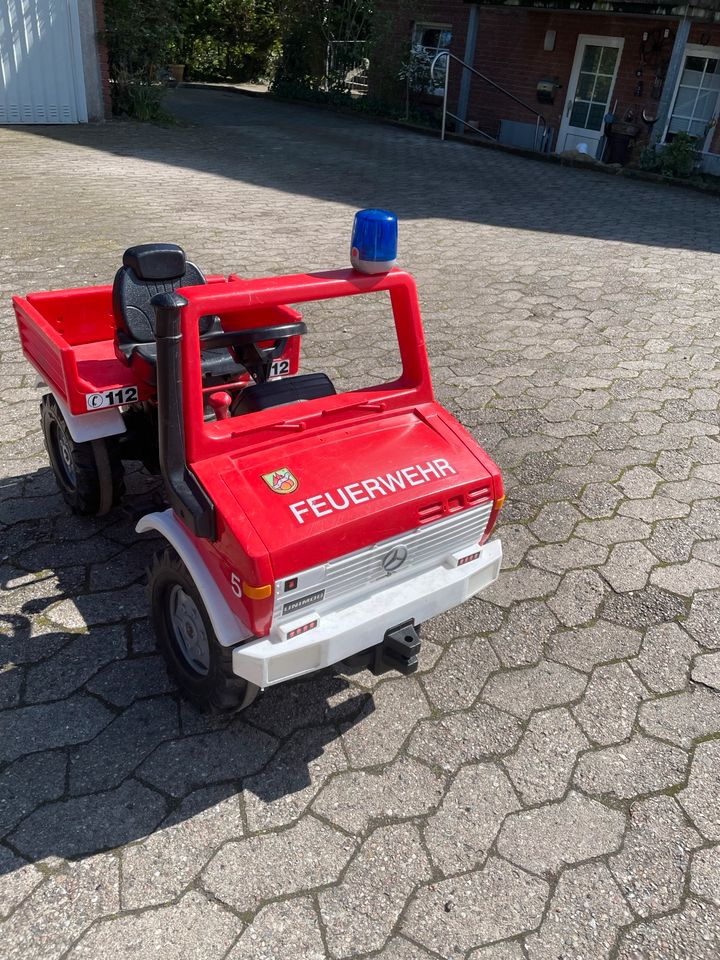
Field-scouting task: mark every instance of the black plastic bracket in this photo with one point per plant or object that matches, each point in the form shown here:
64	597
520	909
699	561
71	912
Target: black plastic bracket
187	498
398	651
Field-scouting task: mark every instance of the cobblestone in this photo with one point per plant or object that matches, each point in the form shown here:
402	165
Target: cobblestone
589	370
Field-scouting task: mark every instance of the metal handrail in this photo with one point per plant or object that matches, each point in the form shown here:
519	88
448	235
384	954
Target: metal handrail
540	120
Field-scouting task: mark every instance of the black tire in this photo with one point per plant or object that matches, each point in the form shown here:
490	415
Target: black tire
208	681
90	474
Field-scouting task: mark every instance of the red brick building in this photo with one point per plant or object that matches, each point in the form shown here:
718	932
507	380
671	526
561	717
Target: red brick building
652	64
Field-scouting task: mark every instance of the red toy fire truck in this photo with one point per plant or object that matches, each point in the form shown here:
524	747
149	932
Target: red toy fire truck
305	526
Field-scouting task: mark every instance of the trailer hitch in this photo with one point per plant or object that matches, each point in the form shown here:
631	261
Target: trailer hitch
398	651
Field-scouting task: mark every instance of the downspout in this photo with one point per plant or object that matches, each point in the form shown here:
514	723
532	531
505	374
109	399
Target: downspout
469	58
677	58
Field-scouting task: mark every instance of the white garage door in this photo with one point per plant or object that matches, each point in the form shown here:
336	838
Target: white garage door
41	69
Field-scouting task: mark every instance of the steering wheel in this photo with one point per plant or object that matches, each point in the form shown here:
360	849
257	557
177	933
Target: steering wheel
243	345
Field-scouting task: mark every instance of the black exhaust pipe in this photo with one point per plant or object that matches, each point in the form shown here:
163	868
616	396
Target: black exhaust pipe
186	496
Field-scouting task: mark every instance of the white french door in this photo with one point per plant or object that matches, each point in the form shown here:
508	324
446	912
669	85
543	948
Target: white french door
589	92
695	104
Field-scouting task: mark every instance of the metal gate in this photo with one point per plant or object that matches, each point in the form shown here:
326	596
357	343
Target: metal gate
41	67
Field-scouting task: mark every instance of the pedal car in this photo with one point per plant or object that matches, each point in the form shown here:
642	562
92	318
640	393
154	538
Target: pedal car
305	526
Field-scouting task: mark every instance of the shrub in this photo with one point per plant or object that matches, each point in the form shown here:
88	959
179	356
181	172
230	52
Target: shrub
675	159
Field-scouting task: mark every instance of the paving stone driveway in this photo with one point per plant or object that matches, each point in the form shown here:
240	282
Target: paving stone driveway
548	785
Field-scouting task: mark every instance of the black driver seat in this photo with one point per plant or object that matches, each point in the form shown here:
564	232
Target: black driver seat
147	269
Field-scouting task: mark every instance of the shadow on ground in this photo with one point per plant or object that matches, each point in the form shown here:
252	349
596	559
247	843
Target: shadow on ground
301	150
96	741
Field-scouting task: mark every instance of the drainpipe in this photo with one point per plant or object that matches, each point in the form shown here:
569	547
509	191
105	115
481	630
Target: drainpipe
677	58
470	44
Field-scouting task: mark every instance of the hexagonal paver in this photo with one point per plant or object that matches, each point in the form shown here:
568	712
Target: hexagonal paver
282	931
61	908
545	685
462	831
303	857
693	932
705	874
652	866
360	912
160	867
542	765
584	917
642	765
193	927
404	789
587	647
570	831
609	707
682	717
494	903
701	798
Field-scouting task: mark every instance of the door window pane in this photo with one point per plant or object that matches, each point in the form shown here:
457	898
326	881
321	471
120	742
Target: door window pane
578	117
595	117
585	87
608	60
594	87
591	59
602	89
697	96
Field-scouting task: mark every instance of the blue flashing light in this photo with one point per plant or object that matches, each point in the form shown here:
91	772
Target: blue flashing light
374	241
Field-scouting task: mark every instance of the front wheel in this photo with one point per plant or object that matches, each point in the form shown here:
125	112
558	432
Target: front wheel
89	474
196	660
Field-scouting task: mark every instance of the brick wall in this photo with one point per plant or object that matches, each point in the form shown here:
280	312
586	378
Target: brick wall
102	56
510	51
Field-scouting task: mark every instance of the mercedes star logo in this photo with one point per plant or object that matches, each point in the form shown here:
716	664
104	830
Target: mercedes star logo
393	560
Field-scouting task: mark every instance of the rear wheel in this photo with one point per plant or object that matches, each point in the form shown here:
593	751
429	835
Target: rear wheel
89	474
200	665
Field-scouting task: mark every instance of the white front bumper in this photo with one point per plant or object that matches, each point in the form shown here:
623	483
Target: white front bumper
362	624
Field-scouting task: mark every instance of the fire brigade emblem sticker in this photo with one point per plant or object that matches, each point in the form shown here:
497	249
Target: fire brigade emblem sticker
281	480
393	560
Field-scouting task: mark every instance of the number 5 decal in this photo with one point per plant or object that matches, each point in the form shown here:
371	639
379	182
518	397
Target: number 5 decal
236	584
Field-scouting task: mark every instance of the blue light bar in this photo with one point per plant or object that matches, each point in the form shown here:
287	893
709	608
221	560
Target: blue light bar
374	241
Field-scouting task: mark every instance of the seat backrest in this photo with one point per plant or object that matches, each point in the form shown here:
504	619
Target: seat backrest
147	269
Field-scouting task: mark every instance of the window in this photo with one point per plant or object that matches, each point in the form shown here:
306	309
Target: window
594	85
697	96
429	39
